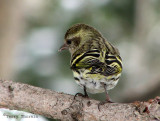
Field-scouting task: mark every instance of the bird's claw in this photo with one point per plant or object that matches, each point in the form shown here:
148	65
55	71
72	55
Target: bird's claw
80	94
102	103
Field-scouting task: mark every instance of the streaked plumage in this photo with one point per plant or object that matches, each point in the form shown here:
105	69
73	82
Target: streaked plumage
96	64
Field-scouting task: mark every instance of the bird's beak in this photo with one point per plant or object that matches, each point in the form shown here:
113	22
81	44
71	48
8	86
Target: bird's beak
63	47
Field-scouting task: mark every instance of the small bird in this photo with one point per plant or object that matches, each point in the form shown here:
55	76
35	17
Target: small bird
96	64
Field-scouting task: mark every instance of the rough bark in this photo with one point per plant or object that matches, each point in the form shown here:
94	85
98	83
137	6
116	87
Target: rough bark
55	105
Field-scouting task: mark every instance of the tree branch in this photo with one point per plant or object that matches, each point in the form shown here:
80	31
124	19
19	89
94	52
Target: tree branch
55	105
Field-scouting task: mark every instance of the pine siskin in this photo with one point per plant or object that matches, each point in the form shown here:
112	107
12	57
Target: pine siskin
96	64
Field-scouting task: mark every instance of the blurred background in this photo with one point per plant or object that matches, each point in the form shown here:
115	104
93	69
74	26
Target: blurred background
32	31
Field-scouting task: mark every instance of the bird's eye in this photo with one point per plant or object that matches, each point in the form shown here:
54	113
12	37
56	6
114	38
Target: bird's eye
68	42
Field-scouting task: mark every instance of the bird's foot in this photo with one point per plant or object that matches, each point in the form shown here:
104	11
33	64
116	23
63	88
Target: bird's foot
103	102
80	94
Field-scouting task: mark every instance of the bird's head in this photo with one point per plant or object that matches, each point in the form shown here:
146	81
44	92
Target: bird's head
78	35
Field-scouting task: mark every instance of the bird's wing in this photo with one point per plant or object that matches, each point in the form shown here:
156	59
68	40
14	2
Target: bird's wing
86	60
114	64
